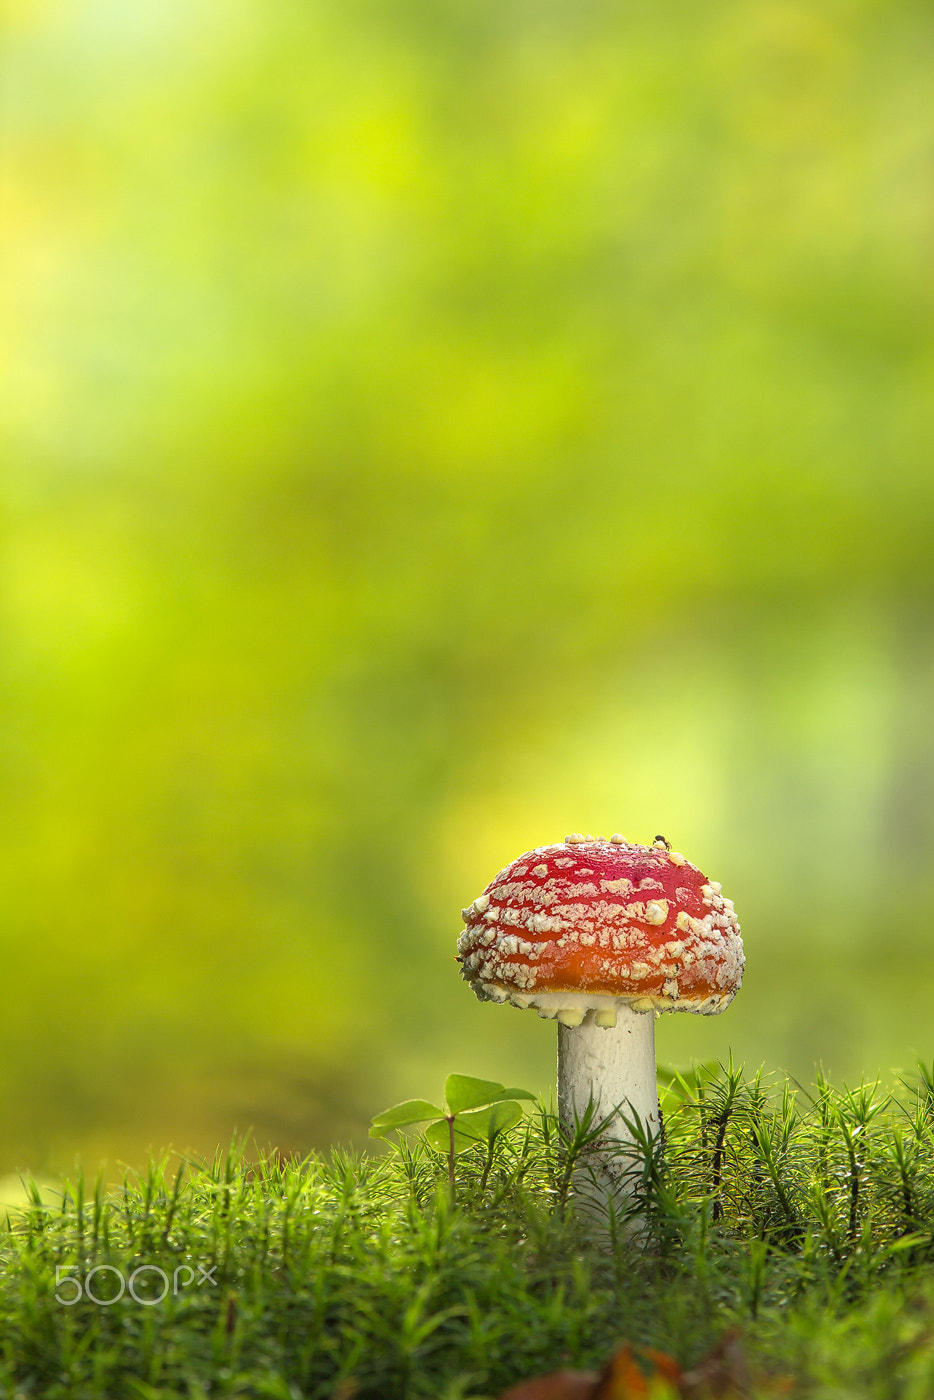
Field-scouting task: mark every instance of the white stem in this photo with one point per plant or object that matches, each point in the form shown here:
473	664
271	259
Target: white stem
617	1066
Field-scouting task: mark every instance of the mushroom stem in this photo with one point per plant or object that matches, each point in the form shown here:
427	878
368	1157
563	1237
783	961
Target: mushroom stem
615	1065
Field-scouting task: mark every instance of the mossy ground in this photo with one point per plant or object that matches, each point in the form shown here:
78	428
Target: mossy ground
806	1220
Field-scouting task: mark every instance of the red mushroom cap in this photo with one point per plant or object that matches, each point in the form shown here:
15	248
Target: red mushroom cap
590	924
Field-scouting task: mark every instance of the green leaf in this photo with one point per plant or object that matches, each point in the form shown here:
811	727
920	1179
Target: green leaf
462	1092
518	1094
402	1115
478	1125
486	1124
438	1135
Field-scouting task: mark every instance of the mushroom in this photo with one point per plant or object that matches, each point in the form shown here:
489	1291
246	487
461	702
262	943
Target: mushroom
602	936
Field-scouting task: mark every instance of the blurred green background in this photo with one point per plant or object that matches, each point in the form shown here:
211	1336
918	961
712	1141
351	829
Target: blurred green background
430	427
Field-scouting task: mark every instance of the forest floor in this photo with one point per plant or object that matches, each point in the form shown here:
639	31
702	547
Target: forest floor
797	1225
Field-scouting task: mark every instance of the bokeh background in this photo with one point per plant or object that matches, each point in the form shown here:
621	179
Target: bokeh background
431	427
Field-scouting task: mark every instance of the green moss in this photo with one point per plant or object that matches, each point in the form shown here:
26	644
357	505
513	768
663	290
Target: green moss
807	1222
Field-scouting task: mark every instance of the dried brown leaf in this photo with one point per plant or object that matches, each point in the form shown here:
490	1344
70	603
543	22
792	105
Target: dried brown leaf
723	1374
642	1373
632	1372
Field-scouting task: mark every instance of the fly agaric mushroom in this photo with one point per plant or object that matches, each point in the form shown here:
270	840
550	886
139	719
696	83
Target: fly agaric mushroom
602	936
